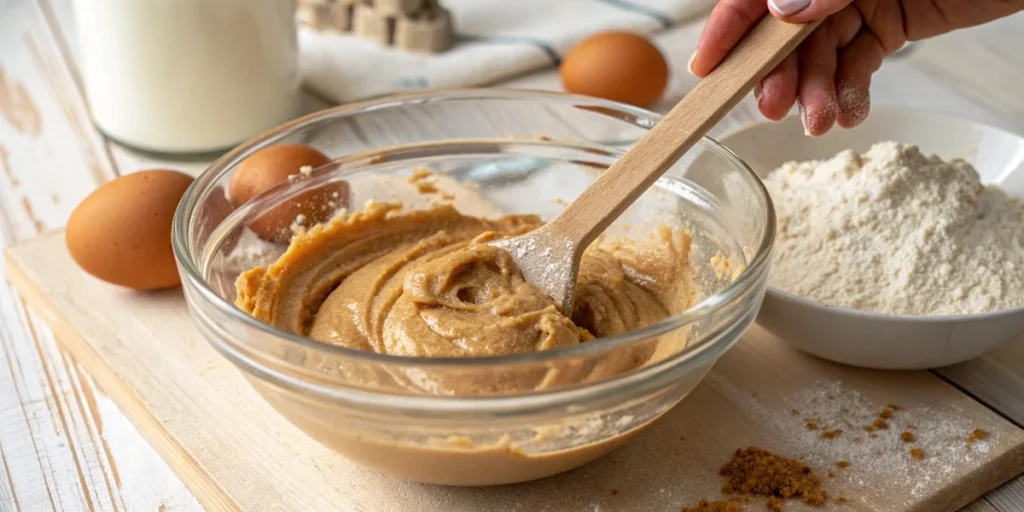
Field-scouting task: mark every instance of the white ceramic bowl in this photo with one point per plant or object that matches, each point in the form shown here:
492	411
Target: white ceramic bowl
876	340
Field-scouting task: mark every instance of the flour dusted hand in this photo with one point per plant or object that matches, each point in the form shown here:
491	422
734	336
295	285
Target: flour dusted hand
830	73
896	231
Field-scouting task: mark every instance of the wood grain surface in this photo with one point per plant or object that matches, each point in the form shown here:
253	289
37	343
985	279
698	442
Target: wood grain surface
65	445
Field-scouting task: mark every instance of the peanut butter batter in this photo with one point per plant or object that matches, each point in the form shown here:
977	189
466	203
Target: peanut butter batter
424	283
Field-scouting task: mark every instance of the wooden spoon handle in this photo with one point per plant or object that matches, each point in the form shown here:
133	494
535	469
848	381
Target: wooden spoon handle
599	205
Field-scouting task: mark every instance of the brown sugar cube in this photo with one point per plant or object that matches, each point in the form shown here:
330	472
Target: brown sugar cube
319	13
330	14
397	8
341	15
368	24
429	32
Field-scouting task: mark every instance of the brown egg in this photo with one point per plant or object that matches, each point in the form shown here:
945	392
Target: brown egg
618	66
270	166
121	233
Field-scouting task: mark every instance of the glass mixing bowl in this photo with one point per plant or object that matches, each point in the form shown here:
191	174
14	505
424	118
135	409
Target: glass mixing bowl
496	152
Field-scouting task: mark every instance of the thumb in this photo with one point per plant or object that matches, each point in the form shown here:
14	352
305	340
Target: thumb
802	11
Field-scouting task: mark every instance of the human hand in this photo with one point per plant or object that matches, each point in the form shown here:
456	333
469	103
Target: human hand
829	75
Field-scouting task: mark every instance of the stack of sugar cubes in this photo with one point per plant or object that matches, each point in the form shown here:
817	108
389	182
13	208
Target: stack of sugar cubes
415	25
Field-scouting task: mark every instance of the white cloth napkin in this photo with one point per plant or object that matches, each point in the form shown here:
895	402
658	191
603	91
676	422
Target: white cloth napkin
495	40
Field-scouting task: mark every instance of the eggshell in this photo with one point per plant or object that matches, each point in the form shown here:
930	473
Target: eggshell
618	66
270	166
121	233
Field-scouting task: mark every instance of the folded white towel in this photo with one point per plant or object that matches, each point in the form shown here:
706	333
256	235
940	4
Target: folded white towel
495	40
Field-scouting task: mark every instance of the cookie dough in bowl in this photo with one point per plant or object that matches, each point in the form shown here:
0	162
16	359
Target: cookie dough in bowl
393	334
426	284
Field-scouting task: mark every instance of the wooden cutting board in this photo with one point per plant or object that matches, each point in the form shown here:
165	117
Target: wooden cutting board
235	453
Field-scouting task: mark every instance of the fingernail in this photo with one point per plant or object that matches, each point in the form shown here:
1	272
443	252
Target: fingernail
758	92
789	7
803	119
689	63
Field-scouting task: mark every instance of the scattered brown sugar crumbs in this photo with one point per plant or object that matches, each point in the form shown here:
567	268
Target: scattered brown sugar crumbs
774	504
811	425
841	499
886	412
714	506
760	472
880	424
908	437
615	492
916	453
977	435
831	474
843	464
831	434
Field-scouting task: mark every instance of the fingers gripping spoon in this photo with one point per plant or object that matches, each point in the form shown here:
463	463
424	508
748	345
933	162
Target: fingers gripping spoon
549	256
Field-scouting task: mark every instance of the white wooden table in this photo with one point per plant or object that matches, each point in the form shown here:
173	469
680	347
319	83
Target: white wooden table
65	446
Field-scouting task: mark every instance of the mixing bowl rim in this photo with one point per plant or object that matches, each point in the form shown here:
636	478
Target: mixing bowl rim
184	224
823	308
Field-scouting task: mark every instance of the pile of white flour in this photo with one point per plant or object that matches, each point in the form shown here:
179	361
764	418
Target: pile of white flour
895	231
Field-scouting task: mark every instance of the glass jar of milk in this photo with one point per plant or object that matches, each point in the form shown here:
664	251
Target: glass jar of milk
188	76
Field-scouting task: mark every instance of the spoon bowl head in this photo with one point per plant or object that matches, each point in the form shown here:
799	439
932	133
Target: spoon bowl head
548	261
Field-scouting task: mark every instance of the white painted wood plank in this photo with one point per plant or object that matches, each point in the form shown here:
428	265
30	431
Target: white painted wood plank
996	379
49	155
54	426
981	505
48	161
1009	497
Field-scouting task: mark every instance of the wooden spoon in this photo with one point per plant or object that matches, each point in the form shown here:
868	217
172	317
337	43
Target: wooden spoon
549	256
